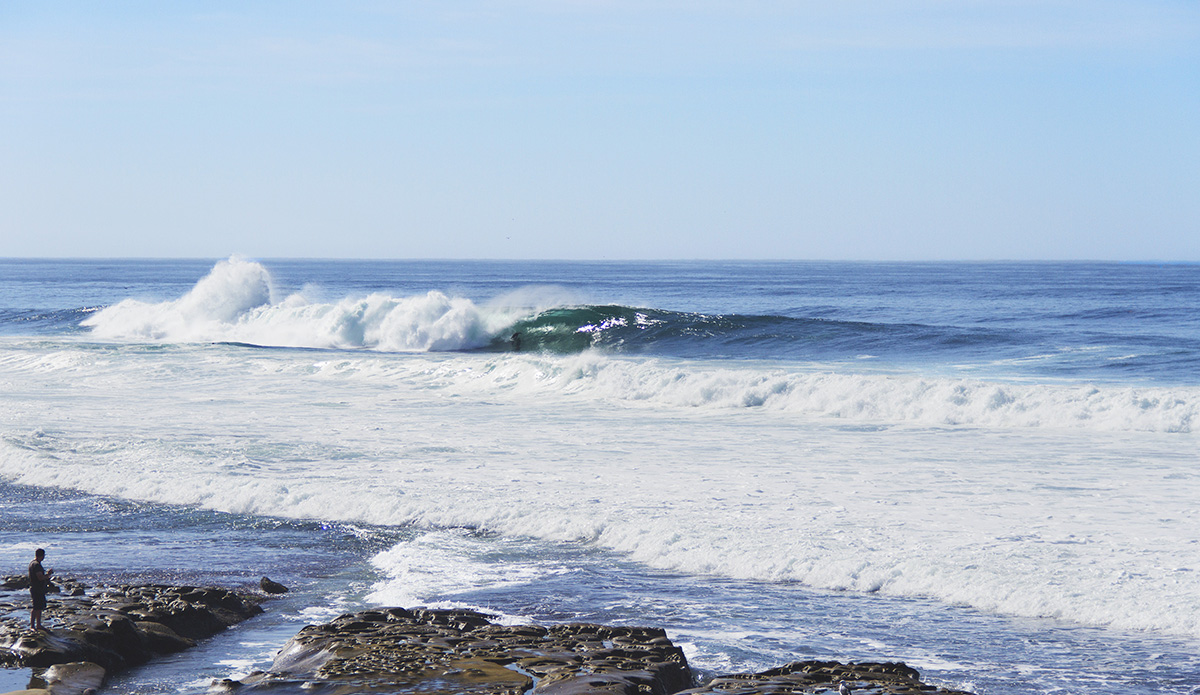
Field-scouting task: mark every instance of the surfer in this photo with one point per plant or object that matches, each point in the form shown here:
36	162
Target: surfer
516	342
39	583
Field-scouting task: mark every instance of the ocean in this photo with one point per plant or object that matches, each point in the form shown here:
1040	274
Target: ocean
989	471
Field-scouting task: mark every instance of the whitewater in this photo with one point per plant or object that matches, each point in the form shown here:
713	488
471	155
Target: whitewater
1021	459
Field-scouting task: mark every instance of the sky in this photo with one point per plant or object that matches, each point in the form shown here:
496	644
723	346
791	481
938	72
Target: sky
595	129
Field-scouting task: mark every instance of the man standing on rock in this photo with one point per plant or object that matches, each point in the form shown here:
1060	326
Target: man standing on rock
39	583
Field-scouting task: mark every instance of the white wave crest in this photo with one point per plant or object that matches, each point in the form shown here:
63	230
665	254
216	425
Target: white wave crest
851	397
234	303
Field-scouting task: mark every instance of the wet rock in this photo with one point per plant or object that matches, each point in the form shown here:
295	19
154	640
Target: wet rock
122	626
824	677
162	639
78	678
459	651
14	582
66	587
272	587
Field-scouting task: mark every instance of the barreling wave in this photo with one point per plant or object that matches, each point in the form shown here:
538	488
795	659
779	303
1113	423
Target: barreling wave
624	329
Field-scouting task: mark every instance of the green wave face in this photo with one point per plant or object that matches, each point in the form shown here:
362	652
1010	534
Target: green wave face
567	330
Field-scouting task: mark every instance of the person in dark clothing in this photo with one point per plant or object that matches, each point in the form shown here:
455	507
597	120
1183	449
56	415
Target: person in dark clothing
39	583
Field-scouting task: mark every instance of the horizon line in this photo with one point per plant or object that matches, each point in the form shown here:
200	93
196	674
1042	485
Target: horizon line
446	259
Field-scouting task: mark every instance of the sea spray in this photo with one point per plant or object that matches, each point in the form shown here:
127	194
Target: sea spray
233	304
225	296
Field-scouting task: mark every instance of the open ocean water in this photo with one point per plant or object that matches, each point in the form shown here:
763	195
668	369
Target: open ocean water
988	471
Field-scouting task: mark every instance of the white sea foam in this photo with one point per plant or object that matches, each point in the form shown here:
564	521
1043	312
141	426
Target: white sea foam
884	398
437	565
431	569
859	398
875	399
744	472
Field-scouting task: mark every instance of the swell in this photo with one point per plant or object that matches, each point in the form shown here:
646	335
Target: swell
43	322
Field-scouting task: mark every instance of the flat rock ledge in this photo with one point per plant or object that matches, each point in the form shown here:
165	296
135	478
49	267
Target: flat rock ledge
436	652
115	628
444	652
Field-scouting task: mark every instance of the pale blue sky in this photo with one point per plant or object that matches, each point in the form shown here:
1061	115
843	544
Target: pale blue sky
1052	129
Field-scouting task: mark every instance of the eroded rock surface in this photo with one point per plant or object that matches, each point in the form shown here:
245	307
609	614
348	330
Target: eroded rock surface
118	627
824	677
458	651
439	652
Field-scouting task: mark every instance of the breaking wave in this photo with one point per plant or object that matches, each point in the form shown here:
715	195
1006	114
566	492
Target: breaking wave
234	303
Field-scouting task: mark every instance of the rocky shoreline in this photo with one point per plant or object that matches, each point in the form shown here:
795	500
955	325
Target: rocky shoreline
395	650
110	629
444	652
